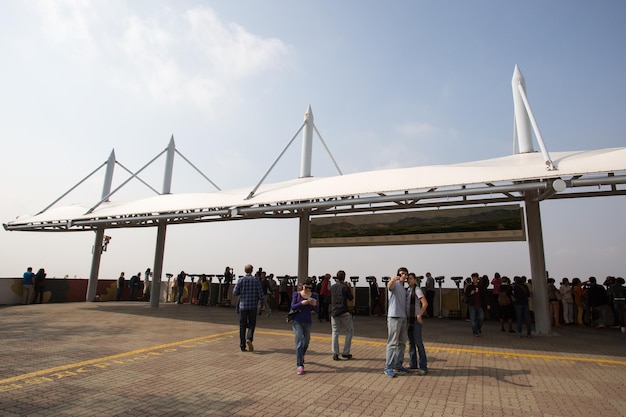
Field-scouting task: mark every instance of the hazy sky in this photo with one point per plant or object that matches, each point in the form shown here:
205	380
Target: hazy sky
391	84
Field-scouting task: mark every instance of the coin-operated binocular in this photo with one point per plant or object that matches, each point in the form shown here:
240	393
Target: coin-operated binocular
440	280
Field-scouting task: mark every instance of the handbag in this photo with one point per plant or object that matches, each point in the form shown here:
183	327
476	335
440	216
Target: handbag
292	312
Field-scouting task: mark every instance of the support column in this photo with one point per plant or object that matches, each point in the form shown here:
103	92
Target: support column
159	250
303	247
155	288
92	285
537	264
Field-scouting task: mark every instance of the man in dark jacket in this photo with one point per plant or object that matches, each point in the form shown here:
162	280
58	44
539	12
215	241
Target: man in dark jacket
341	319
477	297
598	302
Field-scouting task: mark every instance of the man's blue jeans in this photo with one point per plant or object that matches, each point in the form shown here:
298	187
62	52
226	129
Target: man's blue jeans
477	315
522	313
416	347
247	320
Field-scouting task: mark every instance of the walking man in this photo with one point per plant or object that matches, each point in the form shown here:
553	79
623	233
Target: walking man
341	319
250	293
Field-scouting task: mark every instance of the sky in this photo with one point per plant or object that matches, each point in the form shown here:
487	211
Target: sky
391	84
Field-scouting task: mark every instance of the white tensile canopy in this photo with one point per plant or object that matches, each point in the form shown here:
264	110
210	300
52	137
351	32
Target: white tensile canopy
526	176
327	195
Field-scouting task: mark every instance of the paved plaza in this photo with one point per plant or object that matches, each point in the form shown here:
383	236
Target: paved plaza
126	359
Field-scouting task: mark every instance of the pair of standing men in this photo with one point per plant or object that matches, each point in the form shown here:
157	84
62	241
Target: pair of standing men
404	319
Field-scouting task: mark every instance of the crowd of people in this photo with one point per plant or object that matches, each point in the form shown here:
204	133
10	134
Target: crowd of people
509	301
575	302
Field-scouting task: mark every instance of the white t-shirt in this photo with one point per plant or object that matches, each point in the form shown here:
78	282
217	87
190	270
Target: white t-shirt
397	301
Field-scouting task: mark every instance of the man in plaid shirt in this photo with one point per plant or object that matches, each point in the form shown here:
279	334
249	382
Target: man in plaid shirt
250	293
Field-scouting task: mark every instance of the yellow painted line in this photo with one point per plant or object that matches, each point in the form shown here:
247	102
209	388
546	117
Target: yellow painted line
483	352
112	357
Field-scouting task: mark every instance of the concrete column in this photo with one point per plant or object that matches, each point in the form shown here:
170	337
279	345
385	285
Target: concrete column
537	264
155	290
303	247
92	285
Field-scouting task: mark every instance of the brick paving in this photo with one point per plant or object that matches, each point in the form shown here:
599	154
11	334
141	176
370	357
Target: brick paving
126	359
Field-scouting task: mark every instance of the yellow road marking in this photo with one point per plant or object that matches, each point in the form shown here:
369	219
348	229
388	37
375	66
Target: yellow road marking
112	357
96	361
508	354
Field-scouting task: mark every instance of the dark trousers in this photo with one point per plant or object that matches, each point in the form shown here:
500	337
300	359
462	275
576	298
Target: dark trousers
324	310
430	298
247	320
39	289
522	314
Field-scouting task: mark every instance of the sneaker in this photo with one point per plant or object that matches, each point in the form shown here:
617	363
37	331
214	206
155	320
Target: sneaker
422	372
335	357
300	370
390	373
347	356
250	346
403	369
622	329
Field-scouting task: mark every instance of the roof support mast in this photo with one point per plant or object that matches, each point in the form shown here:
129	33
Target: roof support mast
155	288
305	171
92	285
523	119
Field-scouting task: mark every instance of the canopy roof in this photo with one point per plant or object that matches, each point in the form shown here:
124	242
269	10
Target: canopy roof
591	173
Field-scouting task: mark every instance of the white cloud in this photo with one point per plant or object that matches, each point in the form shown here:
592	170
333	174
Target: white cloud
417	130
186	57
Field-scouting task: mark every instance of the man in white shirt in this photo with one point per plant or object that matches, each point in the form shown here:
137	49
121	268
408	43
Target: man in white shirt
396	324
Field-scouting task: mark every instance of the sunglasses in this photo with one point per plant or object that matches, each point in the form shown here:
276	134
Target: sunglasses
308	287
